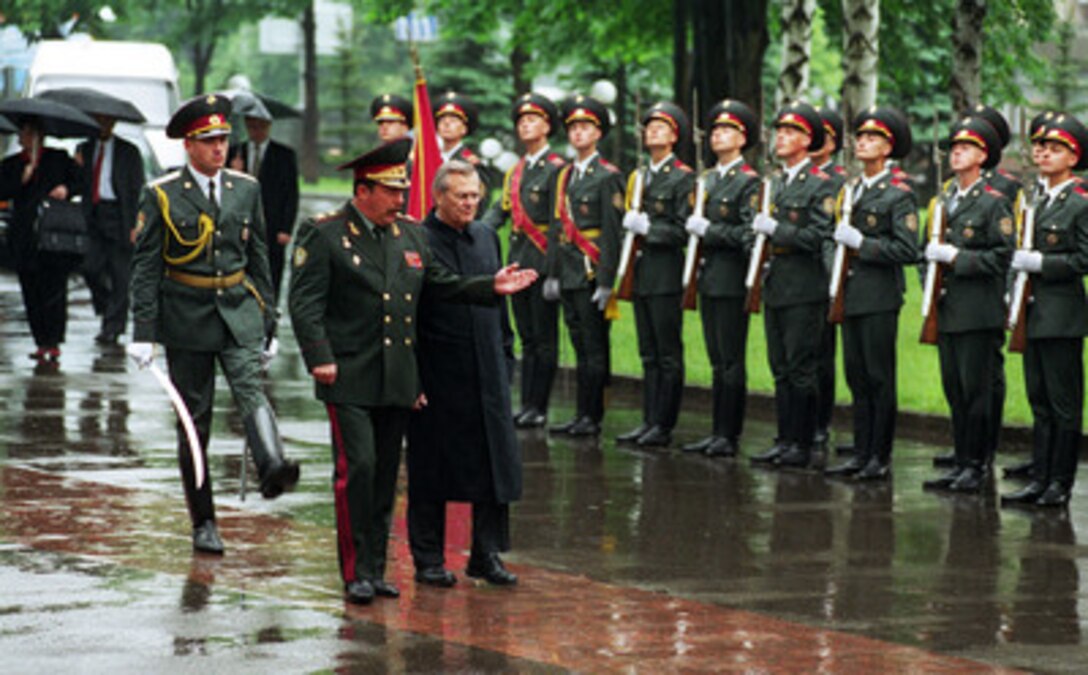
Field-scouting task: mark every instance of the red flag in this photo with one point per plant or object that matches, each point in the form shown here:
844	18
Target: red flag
425	153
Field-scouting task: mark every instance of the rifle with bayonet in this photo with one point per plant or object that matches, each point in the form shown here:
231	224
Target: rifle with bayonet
753	280
625	275
691	255
931	291
1021	288
840	268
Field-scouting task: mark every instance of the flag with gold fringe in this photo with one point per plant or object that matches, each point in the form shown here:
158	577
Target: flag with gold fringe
426	156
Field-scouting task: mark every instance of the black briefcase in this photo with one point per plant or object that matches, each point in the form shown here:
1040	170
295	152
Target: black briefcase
61	228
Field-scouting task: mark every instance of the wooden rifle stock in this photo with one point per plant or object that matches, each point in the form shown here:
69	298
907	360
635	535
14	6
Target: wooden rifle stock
934	279
836	310
1021	290
754	279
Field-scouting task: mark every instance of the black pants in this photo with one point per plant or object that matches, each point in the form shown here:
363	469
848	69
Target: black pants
45	297
589	335
275	264
1054	375
427	530
825	376
725	332
794	336
967	363
106	269
868	352
659	322
537	323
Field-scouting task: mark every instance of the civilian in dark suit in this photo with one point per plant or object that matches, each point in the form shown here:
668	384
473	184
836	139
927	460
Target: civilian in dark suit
461	443
111	176
275	166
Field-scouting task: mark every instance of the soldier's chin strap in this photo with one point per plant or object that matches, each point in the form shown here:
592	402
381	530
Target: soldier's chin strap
205	224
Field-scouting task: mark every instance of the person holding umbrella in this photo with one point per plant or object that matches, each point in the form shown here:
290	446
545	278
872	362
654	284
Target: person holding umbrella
28	178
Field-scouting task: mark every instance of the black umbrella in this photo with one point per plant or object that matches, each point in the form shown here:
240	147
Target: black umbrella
277	108
94	102
7	127
56	118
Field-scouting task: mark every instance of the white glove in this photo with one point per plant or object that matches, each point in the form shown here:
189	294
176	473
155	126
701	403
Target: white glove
848	235
550	289
269	352
601	297
942	253
697	225
764	224
143	353
1027	261
637	222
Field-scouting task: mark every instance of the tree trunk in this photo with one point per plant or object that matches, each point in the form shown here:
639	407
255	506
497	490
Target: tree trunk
681	59
619	129
860	50
309	150
730	42
202	58
966	86
519	58
796	50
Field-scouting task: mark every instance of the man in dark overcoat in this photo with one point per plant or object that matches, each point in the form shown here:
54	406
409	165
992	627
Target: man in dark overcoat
461	443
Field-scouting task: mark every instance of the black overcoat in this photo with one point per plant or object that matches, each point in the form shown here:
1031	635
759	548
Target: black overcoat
462	446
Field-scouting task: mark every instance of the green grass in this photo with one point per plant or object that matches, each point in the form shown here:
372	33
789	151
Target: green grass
328	186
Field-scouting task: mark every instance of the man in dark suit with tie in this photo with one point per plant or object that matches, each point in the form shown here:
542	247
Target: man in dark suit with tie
111	176
275	166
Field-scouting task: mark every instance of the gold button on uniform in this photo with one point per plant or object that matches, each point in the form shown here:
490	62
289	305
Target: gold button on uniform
407	319
388	319
408	297
388	341
385	296
408	341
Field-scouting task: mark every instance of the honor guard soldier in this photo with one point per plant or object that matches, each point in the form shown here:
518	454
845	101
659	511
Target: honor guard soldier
881	238
528	201
795	286
996	177
658	272
583	252
979	236
393	115
201	287
356	282
732	200
456	116
1057	315
824	159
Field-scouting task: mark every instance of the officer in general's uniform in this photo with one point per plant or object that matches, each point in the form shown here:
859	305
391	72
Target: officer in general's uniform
881	237
202	288
528	201
732	200
658	272
393	115
795	287
583	252
1057	315
356	282
979	236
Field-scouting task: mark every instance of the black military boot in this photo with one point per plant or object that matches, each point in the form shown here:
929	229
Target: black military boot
276	472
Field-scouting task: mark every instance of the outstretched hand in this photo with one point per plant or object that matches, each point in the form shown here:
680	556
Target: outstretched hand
512	278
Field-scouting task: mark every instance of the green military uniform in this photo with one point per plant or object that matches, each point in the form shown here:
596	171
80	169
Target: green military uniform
536	319
825	374
354	292
201	287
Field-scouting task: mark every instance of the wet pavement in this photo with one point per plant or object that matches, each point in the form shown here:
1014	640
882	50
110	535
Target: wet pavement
629	561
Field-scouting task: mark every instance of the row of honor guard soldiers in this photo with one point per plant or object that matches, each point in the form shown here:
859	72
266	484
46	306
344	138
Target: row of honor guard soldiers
569	222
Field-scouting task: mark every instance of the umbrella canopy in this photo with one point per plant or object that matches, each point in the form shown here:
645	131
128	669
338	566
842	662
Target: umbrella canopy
94	102
7	127
248	105
276	108
56	118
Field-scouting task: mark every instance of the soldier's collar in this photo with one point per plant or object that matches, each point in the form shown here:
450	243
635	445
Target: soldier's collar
452	153
793	172
1053	192
960	193
657	167
540	154
357	215
582	164
725	168
203	180
870	182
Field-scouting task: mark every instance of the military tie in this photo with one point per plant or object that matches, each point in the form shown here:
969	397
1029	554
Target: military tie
211	193
953	203
256	172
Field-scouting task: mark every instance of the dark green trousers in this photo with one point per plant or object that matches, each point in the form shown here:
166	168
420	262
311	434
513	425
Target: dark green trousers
537	323
659	322
967	363
868	355
725	332
193	373
366	446
825	378
589	335
794	336
1054	375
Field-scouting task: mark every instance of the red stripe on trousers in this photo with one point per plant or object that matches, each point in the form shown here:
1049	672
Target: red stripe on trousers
340	499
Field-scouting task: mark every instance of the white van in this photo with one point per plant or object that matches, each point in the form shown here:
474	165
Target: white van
141	72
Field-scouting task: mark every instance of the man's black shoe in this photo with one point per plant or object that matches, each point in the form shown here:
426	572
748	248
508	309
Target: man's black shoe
969	480
384	589
656	437
722	447
359	592
563	428
794	457
585	427
1056	495
699	447
944	481
206	538
436	576
769	455
847	468
491	570
106	339
1021	470
633	435
1028	494
532	419
874	470
947	459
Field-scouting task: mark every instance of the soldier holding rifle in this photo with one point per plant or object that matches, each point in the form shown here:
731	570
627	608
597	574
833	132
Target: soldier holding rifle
979	238
1056	260
881	236
725	232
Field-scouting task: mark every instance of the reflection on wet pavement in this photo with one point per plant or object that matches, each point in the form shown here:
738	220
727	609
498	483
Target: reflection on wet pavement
629	560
